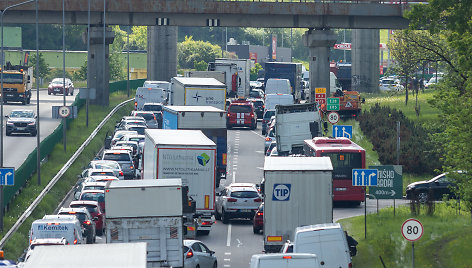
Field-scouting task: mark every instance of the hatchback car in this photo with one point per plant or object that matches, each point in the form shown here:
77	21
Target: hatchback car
238	200
94	195
269	138
266	119
432	190
87	184
95	210
241	113
85	218
258	221
119	134
57	86
124	159
107	164
21	121
151	120
198	255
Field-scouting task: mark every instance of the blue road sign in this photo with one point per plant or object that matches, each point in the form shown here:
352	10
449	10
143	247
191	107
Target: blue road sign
281	192
342	131
364	177
7	176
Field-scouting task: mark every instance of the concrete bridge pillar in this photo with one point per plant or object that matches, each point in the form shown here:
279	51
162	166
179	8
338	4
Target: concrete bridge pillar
162	53
96	77
319	42
365	60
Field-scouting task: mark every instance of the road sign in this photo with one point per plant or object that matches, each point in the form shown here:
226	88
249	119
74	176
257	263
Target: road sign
64	111
320	95
281	192
389	182
332	104
412	230
7	176
342	131
364	177
333	117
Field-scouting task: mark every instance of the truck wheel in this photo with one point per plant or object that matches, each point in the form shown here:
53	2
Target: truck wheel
34	133
422	197
8	133
217	215
23	101
100	232
225	217
49	93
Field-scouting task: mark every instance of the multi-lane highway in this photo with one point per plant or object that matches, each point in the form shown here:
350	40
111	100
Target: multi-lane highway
18	146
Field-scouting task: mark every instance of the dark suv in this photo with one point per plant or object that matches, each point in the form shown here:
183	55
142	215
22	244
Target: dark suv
21	121
431	190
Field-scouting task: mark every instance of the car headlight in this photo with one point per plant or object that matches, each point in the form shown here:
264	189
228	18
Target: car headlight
32	124
9	123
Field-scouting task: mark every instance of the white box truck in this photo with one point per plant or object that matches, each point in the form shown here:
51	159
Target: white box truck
231	73
210	120
294	124
148	94
297	192
186	154
196	91
287	260
244	75
220	76
147	211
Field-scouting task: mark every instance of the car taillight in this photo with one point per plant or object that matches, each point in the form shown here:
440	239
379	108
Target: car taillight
206	223
232	200
189	254
287	257
268	139
121	173
87	222
257	200
227	115
260	213
75	242
252	115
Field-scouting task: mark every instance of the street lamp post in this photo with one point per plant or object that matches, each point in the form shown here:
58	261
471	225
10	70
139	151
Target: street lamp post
2	63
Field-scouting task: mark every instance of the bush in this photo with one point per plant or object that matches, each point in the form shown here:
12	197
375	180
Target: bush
417	152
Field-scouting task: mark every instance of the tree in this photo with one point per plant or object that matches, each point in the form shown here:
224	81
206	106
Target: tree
190	51
43	66
451	20
116	61
255	71
138	38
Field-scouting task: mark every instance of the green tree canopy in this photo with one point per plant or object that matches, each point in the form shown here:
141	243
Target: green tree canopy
190	51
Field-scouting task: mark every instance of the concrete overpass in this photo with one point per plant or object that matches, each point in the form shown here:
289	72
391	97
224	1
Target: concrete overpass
165	15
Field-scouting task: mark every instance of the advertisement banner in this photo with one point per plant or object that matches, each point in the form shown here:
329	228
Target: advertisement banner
215	97
253	56
169	120
274	46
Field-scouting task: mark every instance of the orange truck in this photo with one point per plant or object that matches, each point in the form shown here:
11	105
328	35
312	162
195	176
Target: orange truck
349	103
17	84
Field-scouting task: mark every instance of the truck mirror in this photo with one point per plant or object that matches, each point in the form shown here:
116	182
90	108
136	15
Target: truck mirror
29	78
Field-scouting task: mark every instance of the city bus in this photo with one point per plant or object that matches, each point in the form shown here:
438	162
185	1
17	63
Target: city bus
345	155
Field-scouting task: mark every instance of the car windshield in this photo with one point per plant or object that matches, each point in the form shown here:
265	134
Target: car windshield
268	115
240	109
151	107
117	156
90	208
257	103
147	116
13	78
94	187
388	82
136	139
22	114
138	129
107	166
244	194
99	197
80	216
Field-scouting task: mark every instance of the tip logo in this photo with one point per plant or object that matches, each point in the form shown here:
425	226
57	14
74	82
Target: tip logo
203	159
281	192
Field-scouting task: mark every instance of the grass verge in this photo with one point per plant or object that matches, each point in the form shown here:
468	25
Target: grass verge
77	133
445	242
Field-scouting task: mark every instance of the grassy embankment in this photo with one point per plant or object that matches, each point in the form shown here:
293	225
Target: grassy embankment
77	133
446	240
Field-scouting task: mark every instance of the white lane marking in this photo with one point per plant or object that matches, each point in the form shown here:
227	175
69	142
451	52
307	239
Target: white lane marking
234	175
228	238
260	152
260	167
226	265
257	134
227	253
239	243
227	259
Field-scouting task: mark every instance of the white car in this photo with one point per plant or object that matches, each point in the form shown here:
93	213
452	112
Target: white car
107	164
238	200
120	133
390	84
197	254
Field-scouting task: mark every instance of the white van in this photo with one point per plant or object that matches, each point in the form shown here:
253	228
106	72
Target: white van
276	85
327	241
271	100
58	226
148	94
281	260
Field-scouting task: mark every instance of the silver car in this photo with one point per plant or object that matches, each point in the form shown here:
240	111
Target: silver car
124	158
197	254
107	164
238	200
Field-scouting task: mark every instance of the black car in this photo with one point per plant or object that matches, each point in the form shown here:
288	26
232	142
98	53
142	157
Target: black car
21	121
431	190
85	218
258	107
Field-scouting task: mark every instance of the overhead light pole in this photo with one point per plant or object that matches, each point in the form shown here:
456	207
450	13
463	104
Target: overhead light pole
2	64
38	136
64	119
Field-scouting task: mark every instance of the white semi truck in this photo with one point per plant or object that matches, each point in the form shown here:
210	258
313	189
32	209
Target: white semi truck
297	192
185	154
244	75
148	211
196	91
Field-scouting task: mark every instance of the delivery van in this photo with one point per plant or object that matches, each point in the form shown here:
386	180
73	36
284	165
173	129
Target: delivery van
58	226
278	86
272	100
281	260
328	241
148	94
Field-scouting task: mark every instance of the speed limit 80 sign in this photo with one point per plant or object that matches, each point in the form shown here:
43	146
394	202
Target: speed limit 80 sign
412	230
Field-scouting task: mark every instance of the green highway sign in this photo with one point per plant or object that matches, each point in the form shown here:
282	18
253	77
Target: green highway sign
389	182
332	104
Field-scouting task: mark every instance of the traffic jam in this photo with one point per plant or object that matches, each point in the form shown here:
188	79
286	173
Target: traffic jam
171	154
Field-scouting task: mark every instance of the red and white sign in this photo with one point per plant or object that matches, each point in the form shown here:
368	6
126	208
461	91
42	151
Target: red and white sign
333	117
412	230
320	95
348	46
274	47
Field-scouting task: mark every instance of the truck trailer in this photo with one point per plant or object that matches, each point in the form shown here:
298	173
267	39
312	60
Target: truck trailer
244	75
196	91
210	120
147	211
185	154
286	70
297	192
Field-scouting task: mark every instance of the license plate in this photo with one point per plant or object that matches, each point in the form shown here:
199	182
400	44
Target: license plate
9	95
57	90
340	189
20	128
245	210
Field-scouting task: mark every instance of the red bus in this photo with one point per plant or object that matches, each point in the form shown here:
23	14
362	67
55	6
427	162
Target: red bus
345	155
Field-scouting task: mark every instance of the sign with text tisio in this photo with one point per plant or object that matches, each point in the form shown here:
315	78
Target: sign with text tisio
281	192
389	182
